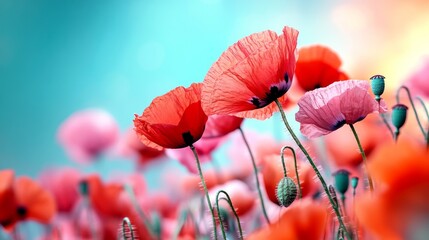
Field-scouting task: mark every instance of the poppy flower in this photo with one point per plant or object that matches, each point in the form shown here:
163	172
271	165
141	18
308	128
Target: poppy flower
86	134
221	125
317	66
130	146
398	208
29	201
417	82
251	74
63	184
304	219
204	148
7	198
173	120
324	110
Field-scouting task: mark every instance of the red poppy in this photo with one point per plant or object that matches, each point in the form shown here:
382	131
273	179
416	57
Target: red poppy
23	199
398	208
7	198
251	74
174	120
318	66
304	219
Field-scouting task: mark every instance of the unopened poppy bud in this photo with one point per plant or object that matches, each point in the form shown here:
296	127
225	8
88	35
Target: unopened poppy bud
286	191
377	86
355	181
399	115
341	178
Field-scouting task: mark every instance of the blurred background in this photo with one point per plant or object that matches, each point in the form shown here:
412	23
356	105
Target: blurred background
58	57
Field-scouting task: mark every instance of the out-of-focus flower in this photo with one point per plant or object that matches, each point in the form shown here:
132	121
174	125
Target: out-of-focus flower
221	125
398	208
418	81
173	120
63	184
251	74
7	198
324	110
86	134
318	66
345	153
241	196
204	148
304	219
26	200
272	172
130	146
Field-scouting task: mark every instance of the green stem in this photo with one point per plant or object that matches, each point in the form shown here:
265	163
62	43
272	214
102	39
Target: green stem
427	115
127	223
138	209
387	124
362	152
255	169
233	210
414	108
296	167
203	182
313	165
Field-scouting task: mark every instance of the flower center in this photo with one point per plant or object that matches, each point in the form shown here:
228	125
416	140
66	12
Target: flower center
276	91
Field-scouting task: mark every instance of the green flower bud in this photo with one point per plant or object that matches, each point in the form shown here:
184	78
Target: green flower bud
377	86
84	188
286	191
341	178
399	115
355	181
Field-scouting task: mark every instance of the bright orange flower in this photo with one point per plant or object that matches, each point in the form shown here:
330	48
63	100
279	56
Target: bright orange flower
304	219
318	66
398	208
251	74
173	120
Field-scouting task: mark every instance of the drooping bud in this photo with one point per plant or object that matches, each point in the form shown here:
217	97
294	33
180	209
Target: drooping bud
355	181
286	191
399	116
377	86
341	178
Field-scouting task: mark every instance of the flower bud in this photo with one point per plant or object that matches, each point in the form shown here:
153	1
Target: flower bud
286	191
399	115
377	86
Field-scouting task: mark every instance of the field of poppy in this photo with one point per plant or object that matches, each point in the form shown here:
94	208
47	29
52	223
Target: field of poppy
352	161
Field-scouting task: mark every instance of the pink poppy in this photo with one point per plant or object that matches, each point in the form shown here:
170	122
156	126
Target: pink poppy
251	74
86	134
418	81
131	146
204	148
63	184
324	110
221	125
173	120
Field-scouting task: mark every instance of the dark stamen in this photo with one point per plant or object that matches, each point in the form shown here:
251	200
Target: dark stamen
188	138
21	211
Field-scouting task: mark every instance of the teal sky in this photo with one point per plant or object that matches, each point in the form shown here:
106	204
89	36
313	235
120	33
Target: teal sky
58	57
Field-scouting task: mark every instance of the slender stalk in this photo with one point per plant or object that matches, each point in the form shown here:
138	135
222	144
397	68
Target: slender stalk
313	165
233	210
255	169
140	212
362	152
427	115
296	167
203	182
387	124
414	108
